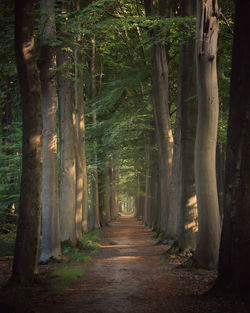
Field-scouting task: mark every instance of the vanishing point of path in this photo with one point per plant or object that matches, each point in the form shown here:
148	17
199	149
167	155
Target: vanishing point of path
126	276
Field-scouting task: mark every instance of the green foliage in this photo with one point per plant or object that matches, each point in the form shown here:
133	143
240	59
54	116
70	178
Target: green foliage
66	274
56	281
90	241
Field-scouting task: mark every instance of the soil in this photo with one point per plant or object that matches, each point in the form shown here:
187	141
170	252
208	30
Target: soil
130	274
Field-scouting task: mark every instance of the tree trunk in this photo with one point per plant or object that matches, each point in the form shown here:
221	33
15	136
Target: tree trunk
94	183
107	192
220	174
147	207
234	270
50	210
161	112
28	231
81	170
187	222
205	145
113	198
67	144
175	186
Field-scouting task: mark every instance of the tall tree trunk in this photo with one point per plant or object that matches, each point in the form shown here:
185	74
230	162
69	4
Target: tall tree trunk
148	157
28	231
81	171
67	140
161	111
234	270
175	186
107	192
50	209
94	182
80	149
205	145
113	197
220	174
187	222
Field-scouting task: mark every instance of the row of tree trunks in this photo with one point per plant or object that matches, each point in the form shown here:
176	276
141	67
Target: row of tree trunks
178	212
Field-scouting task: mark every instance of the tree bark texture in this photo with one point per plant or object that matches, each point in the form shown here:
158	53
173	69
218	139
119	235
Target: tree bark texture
107	192
28	231
50	205
161	108
188	215
220	174
67	144
147	207
206	135
94	181
234	270
175	182
81	170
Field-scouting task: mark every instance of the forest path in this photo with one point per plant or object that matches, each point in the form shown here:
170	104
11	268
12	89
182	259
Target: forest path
128	277
125	276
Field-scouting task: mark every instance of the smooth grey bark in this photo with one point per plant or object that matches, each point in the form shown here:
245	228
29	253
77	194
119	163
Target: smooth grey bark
206	254
234	270
107	192
81	170
163	127
112	194
139	196
188	215
28	229
95	214
67	143
50	204
150	189
146	214
175	182
161	109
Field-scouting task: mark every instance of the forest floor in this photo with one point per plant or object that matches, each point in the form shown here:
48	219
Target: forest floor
129	274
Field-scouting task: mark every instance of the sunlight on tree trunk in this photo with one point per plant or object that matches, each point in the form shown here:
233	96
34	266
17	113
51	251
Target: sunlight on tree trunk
205	146
67	140
50	206
28	230
187	222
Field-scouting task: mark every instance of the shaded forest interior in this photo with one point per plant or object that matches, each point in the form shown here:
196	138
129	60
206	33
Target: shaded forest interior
125	121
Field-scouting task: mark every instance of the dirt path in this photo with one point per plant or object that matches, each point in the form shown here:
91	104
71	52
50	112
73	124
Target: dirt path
126	277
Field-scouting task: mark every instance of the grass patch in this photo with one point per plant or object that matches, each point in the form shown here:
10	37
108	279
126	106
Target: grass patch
62	277
90	241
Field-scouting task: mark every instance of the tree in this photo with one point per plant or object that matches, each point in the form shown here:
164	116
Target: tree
160	98
187	221
81	170
50	207
28	232
234	272
95	215
205	146
67	135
